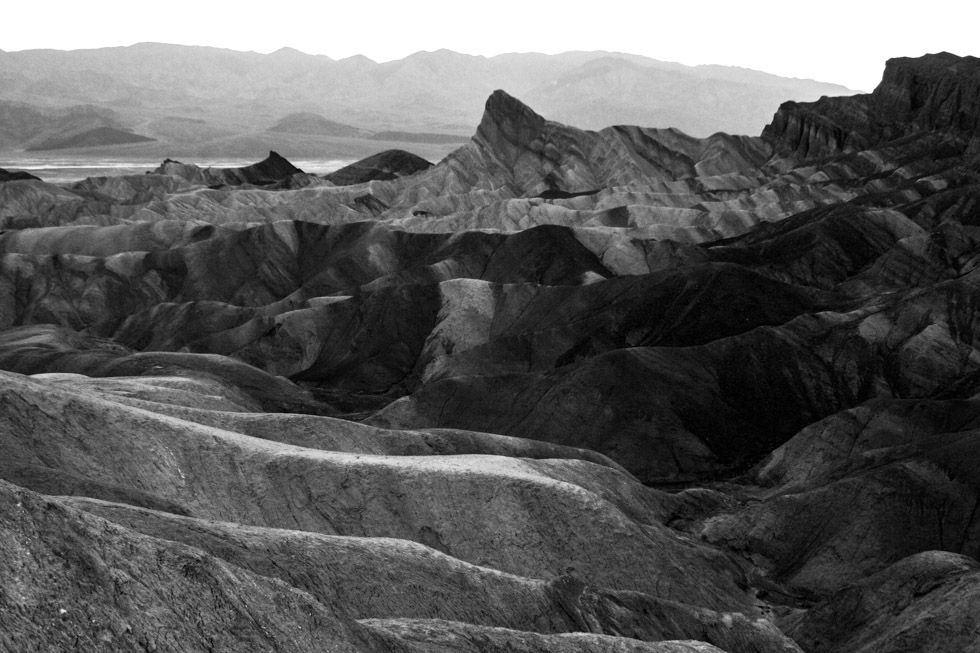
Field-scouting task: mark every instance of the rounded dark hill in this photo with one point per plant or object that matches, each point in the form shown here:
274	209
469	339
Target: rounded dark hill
315	124
17	175
98	137
384	166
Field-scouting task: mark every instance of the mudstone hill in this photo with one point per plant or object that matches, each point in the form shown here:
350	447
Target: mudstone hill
564	390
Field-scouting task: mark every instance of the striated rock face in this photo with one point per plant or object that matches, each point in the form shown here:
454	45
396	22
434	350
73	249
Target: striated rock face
939	92
822	128
535	156
74	580
911	605
564	390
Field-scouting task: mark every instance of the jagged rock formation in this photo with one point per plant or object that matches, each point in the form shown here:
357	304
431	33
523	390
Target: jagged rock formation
438	406
270	170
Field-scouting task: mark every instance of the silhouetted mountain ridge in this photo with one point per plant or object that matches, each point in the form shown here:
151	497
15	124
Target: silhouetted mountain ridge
429	92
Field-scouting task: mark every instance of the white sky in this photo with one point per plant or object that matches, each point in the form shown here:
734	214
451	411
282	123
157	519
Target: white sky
841	41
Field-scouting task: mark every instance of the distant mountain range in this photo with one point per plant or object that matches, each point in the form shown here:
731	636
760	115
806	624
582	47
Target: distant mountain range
197	100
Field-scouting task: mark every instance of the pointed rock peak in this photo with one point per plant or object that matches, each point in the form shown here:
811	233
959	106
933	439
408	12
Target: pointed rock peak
275	157
507	117
503	106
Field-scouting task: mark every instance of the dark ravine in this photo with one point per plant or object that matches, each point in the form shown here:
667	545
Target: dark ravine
565	390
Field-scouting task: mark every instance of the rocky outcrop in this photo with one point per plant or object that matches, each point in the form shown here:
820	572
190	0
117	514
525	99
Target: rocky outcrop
270	170
935	92
939	92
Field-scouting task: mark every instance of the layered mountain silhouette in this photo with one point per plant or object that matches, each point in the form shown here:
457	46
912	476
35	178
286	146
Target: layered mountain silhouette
564	390
208	102
97	137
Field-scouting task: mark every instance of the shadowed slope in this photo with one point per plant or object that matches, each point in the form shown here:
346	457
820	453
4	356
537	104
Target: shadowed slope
384	166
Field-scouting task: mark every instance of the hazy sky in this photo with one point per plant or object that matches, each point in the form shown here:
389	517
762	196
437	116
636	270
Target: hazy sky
842	41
